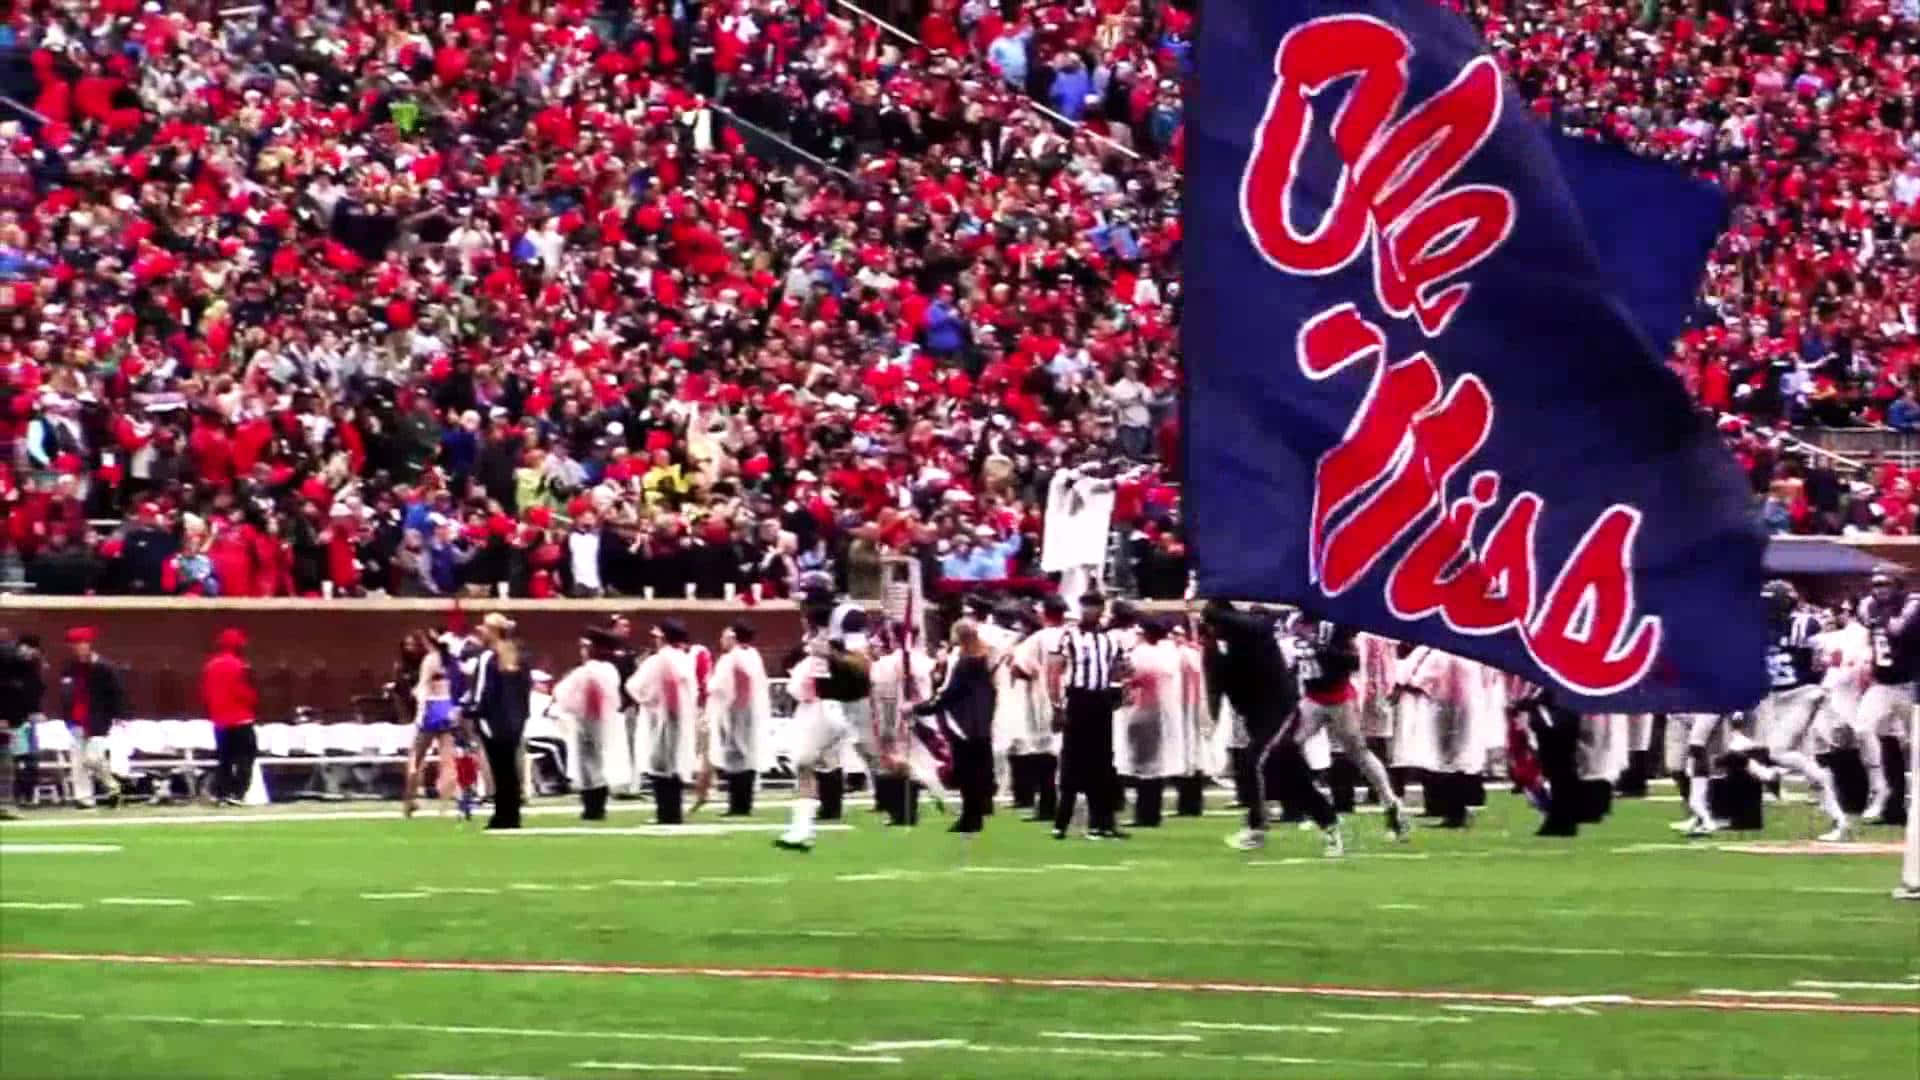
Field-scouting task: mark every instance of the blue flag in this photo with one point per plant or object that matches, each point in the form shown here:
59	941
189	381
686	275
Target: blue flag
1425	388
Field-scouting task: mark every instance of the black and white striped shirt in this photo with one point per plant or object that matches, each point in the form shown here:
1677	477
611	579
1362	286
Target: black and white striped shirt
1090	657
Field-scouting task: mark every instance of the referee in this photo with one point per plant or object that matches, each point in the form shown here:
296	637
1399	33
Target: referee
1083	681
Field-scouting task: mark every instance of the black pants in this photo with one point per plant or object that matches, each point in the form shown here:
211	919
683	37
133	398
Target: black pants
234	750
740	794
1281	764
503	758
1086	760
973	774
668	794
1559	739
1043	779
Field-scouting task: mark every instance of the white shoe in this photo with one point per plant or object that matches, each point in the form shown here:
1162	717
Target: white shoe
1248	840
1876	808
792	841
1704	827
1683	825
1840	834
1336	844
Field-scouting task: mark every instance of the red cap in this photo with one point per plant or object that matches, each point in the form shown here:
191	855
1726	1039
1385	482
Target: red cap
81	635
232	639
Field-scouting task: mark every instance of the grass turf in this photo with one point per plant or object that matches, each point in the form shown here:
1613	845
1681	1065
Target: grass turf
1489	909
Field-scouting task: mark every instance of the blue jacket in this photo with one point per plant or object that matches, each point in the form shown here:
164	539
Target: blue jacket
1069	91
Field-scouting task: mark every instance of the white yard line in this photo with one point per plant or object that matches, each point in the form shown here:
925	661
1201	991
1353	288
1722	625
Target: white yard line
910	1044
655	1067
244	898
1110	1036
40	905
762	880
58	849
885	875
1820	984
635	883
1394	1018
1286	1029
1399	907
1510	1010
1834	890
533	886
1001	870
393	896
842	1059
1108	868
1714	991
454	890
146	901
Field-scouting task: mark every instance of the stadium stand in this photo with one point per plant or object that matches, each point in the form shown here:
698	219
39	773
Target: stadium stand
602	298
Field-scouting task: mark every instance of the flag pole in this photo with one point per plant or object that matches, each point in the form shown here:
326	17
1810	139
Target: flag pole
1910	858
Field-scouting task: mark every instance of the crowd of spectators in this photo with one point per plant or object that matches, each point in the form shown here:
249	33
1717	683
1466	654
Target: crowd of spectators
581	297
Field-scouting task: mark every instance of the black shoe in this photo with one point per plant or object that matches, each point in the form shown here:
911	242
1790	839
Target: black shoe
498	824
1558	830
785	844
963	827
1115	834
1059	834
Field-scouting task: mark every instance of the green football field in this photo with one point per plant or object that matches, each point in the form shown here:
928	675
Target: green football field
201	945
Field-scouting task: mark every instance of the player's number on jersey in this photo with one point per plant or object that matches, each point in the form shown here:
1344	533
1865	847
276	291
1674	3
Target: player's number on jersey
1882	649
1309	667
1781	670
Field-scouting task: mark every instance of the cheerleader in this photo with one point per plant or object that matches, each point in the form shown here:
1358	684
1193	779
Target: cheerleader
424	672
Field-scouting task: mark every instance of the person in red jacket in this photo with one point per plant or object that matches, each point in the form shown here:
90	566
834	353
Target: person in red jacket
226	684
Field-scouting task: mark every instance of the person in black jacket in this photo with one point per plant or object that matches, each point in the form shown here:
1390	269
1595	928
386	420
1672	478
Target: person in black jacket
1247	668
967	701
91	700
496	700
22	688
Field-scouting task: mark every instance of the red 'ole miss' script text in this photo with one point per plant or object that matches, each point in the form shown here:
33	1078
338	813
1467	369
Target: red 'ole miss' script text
1413	431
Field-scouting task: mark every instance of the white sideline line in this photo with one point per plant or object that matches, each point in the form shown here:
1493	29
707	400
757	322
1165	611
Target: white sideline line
1789	994
1103	1036
1108	868
1820	984
635	883
911	1044
1069	1051
885	875
658	830
762	880
1835	890
40	905
532	886
243	898
649	1066
393	896
243	817
429	1029
1399	907
1001	870
451	890
58	849
466	1076
833	1058
1392	1019
1512	1010
1300	1029
146	901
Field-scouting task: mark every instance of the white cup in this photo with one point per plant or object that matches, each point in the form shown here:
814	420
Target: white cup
326	589
756	590
689	590
728	590
504	589
649	592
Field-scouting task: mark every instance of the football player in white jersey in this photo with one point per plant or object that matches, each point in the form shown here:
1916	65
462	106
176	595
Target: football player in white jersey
1787	716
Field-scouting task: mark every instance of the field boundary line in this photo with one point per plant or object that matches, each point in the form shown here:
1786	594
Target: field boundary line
1019	982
